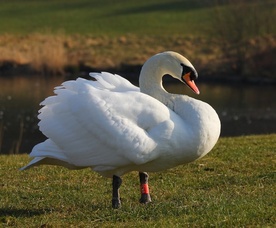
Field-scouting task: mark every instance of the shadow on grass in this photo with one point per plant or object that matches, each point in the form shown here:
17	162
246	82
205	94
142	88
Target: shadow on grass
15	212
167	6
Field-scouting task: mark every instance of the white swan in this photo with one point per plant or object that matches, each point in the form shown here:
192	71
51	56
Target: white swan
114	127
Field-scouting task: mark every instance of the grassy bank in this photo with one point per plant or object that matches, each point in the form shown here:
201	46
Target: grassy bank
233	186
58	54
57	37
107	17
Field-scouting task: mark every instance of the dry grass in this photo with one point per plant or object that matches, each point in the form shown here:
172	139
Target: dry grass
56	51
41	52
48	53
51	54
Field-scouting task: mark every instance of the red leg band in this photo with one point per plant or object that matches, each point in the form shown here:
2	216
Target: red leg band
144	189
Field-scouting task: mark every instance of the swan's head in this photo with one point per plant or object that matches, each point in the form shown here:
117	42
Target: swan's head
180	68
166	63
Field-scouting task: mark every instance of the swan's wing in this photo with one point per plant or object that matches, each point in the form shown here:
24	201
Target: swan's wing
113	82
95	125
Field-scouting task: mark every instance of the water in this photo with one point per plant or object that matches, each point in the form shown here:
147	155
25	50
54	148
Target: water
242	109
19	105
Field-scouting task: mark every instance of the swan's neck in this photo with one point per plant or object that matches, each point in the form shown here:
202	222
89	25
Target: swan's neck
150	80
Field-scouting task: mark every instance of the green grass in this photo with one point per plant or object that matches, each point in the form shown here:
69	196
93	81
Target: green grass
108	17
233	186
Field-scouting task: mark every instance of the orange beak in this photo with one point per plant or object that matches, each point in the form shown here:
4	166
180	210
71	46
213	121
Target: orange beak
187	79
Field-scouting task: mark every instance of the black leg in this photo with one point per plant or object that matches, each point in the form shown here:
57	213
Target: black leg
116	183
145	196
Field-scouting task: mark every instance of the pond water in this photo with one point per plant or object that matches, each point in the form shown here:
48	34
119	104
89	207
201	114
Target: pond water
242	109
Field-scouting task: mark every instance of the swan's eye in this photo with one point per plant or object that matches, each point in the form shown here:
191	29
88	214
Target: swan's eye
193	76
186	69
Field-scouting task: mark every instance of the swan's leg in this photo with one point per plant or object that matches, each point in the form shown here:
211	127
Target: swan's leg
145	196
116	183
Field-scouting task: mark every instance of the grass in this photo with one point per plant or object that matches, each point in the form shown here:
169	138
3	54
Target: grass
48	36
233	186
116	18
46	53
57	37
106	17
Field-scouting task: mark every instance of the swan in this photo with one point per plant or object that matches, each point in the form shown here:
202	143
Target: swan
114	127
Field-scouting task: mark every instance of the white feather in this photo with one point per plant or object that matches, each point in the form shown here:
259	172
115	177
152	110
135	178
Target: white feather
110	126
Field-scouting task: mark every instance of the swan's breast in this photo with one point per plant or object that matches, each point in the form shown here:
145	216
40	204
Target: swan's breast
202	124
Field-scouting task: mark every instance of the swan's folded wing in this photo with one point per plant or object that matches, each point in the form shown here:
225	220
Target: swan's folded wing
97	127
113	82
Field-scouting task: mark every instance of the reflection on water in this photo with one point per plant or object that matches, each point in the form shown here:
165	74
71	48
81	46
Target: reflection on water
242	109
19	103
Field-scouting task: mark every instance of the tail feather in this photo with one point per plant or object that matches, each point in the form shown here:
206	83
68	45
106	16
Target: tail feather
47	153
49	161
36	161
48	149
